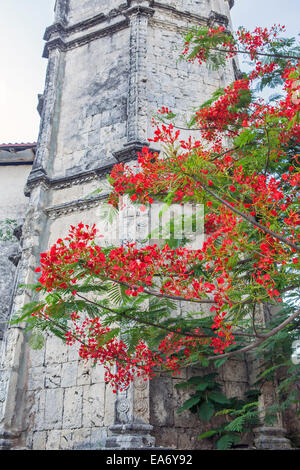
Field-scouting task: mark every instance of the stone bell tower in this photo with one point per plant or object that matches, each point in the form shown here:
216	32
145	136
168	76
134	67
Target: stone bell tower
111	65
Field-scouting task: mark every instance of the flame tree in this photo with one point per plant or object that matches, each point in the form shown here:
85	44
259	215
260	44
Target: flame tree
240	160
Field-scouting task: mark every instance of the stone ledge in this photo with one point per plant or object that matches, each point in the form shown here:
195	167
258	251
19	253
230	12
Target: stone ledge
271	438
77	205
38	176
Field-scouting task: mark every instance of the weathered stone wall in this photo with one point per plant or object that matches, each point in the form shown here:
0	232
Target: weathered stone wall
93	106
105	78
80	10
181	431
13	207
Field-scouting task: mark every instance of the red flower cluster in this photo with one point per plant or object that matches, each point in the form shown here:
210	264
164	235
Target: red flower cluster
237	191
120	365
223	114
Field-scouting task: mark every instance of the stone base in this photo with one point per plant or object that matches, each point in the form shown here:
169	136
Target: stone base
271	438
130	436
8	439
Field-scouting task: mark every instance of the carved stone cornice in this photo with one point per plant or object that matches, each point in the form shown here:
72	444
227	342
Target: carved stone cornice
63	44
217	18
129	152
58	34
78	205
64	29
39	177
181	15
139	10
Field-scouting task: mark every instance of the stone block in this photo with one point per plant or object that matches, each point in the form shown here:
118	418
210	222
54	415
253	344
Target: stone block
39	440
165	437
56	350
162	402
37	409
97	374
185	419
94	138
53	440
109	407
37	357
98	438
53	408
36	378
234	371
84	373
93	405
235	389
81	439
69	374
72	413
53	376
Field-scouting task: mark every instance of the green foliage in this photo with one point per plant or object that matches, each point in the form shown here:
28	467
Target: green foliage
198	39
36	340
151	318
208	401
7	227
277	364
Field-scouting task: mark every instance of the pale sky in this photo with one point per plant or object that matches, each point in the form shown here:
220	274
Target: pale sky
22	26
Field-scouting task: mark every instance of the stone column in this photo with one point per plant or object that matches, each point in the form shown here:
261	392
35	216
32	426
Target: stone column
49	115
13	363
61	10
270	437
137	121
14	367
132	407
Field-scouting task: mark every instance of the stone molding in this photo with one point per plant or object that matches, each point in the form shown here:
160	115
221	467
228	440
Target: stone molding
181	15
137	93
39	177
217	18
57	34
83	204
63	45
130	150
271	438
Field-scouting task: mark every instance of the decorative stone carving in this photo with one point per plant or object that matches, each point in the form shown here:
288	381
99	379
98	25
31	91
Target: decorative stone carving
78	205
271	438
217	18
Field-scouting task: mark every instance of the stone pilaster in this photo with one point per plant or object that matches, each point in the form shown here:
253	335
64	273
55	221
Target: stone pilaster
266	436
50	115
14	360
137	96
61	9
137	119
132	428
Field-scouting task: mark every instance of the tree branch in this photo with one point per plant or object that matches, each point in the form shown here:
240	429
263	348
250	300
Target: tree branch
245	216
265	54
261	340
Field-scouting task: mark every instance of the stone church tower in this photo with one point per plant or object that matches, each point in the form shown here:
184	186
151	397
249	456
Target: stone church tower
111	65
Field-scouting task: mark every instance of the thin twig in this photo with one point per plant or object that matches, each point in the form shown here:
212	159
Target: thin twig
265	54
